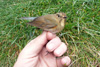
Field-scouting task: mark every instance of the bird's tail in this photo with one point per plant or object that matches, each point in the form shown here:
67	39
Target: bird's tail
28	18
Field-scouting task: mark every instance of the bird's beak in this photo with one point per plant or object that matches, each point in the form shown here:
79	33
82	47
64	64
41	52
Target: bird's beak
65	17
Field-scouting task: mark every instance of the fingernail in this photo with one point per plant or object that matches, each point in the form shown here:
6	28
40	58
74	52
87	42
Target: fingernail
50	47
58	52
66	61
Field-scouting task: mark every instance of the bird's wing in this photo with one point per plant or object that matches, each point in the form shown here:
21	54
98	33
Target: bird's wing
44	22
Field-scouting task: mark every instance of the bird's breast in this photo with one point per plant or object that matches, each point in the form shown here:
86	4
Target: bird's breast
62	23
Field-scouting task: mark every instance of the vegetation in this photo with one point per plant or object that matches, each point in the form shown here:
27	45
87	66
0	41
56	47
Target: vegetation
81	32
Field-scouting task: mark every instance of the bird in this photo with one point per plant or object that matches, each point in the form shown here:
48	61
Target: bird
52	22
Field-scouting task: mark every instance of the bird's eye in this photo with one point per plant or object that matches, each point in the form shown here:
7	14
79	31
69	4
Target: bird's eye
58	15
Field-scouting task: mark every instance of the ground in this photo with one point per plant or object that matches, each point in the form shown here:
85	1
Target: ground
81	32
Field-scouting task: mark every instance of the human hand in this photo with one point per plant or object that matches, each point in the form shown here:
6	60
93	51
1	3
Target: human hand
35	53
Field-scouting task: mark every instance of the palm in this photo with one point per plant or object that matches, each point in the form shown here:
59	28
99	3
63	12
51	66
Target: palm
46	59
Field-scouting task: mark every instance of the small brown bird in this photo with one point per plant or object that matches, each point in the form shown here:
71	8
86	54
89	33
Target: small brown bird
51	22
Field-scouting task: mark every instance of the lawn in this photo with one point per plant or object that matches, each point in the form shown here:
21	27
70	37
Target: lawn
81	32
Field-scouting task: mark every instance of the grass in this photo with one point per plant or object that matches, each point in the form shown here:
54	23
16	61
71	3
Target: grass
82	29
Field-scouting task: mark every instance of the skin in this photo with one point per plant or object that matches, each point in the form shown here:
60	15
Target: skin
35	53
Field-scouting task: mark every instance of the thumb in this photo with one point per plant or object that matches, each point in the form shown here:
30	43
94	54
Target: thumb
36	45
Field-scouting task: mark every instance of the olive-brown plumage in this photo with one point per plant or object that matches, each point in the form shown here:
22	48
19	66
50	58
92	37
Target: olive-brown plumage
51	22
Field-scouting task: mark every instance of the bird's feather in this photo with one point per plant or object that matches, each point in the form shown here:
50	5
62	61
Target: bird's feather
28	18
44	22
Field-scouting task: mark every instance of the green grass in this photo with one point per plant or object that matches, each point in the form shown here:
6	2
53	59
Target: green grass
82	29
